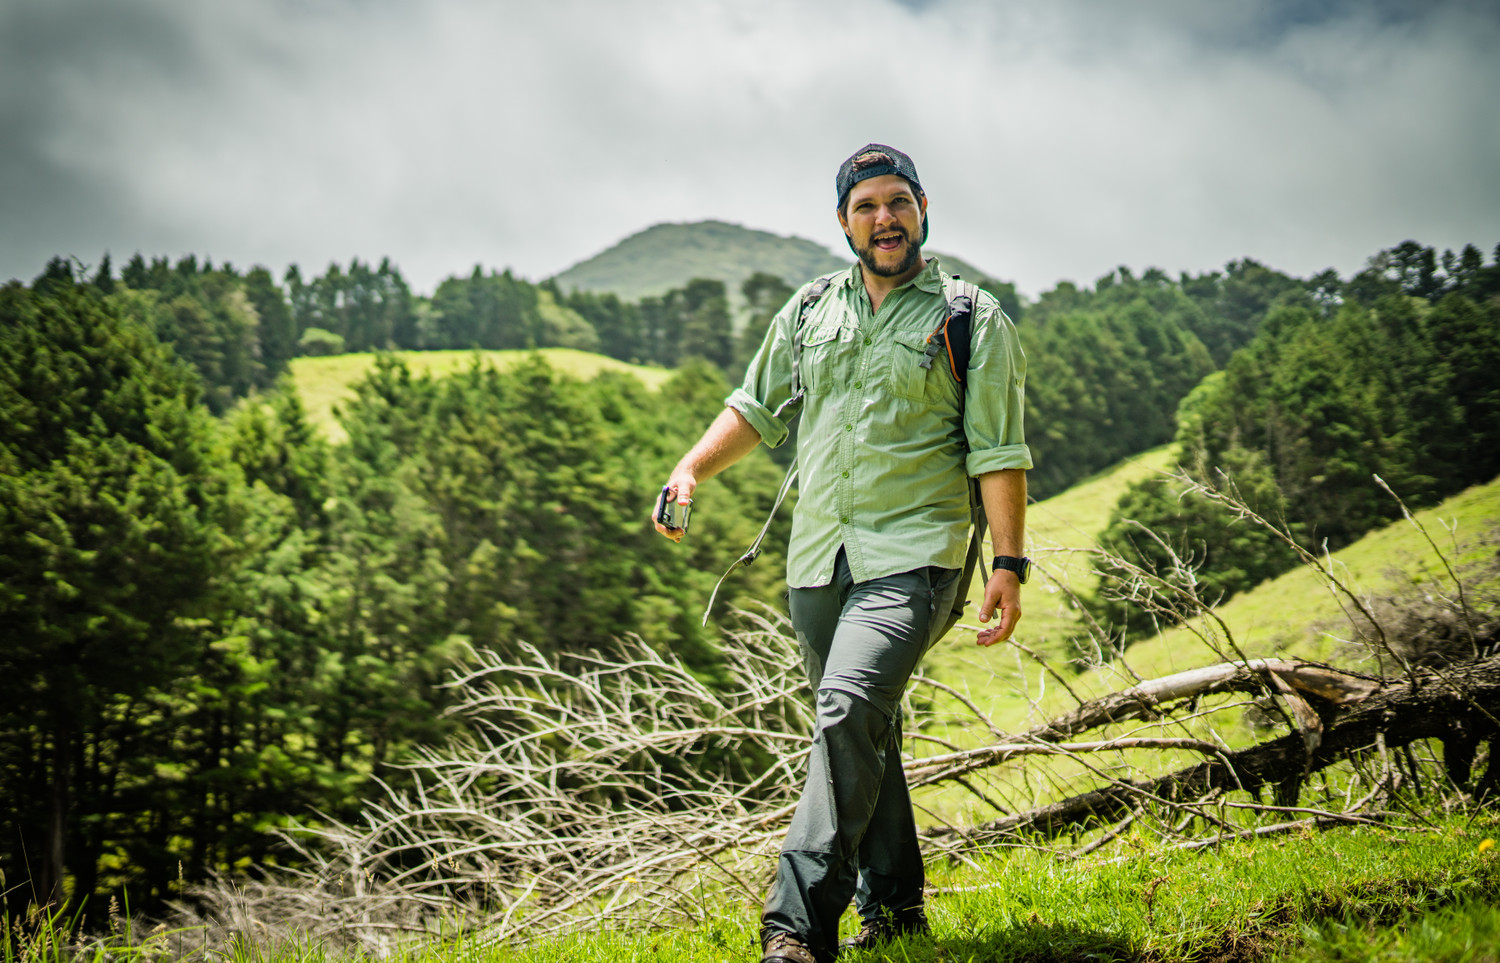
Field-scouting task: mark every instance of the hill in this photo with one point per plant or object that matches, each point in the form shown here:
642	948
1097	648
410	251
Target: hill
322	383
1294	615
667	256
953	264
1291	616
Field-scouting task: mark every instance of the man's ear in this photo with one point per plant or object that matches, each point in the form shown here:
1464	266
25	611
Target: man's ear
922	199
844	223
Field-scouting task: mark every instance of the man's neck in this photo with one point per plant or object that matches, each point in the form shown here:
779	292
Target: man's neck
878	286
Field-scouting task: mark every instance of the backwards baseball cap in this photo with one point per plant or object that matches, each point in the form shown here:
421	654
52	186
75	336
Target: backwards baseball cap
874	160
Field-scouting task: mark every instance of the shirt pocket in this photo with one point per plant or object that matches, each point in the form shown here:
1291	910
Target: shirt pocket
909	380
818	343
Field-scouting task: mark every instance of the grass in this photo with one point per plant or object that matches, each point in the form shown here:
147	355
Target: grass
1294	615
1055	528
1342	895
323	383
1465	933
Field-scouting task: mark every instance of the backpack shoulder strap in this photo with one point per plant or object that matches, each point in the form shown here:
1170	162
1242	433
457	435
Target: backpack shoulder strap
793	403
954	335
958	327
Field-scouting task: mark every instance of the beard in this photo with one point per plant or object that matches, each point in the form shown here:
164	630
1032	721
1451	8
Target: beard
868	252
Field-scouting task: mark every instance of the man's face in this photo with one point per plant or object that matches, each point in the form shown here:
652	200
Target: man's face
883	219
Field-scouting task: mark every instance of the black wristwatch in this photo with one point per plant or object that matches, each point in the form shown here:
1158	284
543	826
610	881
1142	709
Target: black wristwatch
1010	563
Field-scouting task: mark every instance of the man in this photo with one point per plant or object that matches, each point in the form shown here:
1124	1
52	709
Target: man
880	532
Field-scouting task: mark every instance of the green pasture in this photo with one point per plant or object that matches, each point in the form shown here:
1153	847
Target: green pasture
324	383
1295	615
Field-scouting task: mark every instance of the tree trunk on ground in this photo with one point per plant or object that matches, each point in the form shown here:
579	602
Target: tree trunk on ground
1458	704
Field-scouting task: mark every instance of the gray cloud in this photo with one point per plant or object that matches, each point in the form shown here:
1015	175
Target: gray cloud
1055	140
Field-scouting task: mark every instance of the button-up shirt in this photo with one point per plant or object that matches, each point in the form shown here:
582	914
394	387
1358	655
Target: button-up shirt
886	445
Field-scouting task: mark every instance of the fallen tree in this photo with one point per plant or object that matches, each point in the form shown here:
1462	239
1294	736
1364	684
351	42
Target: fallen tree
1341	717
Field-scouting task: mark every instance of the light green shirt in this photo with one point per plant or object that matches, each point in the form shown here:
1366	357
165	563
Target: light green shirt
883	450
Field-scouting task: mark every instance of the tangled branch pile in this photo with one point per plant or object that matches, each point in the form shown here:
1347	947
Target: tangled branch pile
597	790
587	789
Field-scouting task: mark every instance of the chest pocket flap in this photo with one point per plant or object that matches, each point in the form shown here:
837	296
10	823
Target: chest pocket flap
909	379
818	342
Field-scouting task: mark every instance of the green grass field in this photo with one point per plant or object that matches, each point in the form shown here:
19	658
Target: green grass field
1293	615
323	383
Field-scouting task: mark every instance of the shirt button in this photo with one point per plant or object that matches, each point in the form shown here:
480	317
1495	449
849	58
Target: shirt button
859	384
844	520
867	341
848	427
846	474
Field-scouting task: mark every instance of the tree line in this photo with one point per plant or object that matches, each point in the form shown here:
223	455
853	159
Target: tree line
240	330
1391	372
1109	362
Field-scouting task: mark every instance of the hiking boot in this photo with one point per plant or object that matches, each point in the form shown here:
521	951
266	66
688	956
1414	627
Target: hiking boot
885	927
785	948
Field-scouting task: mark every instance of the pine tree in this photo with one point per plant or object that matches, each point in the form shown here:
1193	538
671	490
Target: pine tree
277	329
109	545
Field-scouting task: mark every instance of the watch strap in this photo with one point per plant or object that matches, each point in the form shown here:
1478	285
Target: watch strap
1021	565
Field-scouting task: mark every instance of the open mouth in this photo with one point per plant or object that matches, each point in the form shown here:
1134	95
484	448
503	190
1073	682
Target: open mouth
889	242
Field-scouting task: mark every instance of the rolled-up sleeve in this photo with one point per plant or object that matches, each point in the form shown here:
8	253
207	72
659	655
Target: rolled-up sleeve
995	395
768	379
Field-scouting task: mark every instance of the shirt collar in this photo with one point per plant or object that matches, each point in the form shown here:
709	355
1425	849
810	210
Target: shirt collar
929	279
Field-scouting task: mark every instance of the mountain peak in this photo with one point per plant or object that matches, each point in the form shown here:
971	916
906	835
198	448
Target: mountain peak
666	256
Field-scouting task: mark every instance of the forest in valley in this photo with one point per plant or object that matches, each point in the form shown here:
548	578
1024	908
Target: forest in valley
215	620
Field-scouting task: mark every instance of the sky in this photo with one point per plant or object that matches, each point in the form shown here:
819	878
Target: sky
1055	140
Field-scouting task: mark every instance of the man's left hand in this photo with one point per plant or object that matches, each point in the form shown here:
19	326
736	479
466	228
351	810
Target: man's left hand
1002	591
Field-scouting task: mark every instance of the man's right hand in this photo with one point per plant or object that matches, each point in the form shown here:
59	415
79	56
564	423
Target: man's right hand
726	441
685	484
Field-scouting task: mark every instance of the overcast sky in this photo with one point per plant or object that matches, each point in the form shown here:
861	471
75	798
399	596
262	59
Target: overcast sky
1055	139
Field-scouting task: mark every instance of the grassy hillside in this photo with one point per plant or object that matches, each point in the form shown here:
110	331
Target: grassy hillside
1297	615
1293	615
1058	530
322	383
667	256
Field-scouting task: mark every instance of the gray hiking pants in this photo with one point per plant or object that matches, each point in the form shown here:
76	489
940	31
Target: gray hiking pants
853	834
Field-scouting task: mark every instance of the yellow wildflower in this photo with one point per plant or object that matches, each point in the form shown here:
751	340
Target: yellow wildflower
1486	846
